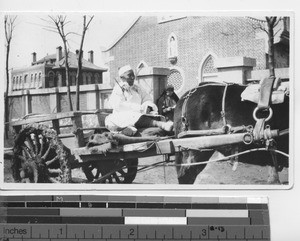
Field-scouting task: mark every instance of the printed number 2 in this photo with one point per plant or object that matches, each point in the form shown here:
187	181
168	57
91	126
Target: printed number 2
131	231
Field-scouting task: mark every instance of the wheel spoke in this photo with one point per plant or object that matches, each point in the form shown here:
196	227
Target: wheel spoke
37	143
122	172
97	174
48	163
55	171
21	158
27	154
43	140
53	180
29	143
116	178
46	153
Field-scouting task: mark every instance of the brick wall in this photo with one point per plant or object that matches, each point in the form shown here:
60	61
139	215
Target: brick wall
197	36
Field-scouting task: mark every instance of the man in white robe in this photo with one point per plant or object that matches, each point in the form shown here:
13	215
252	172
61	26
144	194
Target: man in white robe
130	103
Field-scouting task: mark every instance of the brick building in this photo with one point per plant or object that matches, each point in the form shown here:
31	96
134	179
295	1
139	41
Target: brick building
199	48
49	72
41	87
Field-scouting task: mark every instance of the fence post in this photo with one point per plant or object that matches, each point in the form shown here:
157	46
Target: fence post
91	97
77	128
54	101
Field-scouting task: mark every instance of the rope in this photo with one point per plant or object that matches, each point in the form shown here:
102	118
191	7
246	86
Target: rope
192	91
229	157
207	162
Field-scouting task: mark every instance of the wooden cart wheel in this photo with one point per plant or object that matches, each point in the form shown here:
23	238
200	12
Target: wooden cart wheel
40	157
119	171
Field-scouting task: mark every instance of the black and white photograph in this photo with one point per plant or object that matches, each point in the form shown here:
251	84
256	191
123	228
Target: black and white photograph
151	99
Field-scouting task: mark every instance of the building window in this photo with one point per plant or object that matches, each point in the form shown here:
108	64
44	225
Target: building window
21	83
17	83
31	81
84	79
176	79
40	84
73	78
208	71
35	81
14	83
26	81
97	79
209	66
88	78
172	48
51	79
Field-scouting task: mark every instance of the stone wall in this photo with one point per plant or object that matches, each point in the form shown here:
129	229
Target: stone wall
54	100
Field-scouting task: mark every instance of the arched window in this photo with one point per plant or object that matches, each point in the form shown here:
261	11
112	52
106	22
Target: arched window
98	78
51	79
26	81
17	83
40	84
84	79
21	82
35	81
89	78
172	47
176	79
208	71
31	82
14	83
73	78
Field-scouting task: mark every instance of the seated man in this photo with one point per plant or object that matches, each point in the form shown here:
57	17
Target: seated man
131	103
169	103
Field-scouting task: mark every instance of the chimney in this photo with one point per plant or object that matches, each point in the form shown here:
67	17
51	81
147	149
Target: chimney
58	53
91	56
77	53
33	57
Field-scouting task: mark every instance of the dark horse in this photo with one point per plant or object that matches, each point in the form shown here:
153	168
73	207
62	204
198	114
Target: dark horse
203	112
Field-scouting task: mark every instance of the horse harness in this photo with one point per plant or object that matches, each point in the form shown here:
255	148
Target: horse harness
184	121
260	131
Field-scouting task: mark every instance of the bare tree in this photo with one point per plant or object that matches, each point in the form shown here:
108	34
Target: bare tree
79	69
60	22
268	25
9	26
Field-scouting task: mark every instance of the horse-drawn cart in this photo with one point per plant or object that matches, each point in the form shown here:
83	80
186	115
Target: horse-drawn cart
48	152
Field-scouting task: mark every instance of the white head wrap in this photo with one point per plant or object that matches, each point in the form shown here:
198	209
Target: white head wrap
124	69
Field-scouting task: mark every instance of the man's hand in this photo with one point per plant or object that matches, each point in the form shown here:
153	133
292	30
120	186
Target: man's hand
148	107
168	109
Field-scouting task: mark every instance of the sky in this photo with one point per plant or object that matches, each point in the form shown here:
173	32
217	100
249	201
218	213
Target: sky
32	34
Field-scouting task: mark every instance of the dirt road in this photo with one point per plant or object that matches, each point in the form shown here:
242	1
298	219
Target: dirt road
214	173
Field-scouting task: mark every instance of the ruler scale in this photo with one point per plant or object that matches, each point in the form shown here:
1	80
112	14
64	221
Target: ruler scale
136	218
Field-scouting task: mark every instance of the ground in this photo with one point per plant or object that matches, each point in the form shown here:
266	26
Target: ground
214	173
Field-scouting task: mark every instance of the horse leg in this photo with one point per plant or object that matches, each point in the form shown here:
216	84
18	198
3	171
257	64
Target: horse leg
188	174
273	170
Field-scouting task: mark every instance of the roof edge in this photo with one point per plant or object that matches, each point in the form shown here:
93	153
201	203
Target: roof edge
122	34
